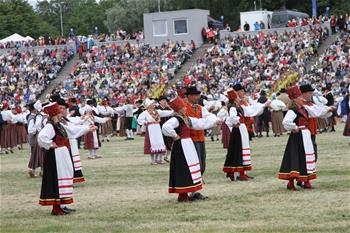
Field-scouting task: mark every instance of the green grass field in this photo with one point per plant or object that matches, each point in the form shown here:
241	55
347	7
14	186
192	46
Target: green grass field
124	193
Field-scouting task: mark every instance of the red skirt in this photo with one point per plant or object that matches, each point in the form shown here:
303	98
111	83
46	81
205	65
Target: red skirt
89	141
147	144
225	135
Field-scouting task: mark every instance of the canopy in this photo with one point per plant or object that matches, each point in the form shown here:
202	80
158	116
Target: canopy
14	37
28	38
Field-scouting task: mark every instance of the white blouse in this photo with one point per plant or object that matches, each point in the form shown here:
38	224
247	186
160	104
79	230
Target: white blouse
145	116
46	135
170	125
313	111
248	111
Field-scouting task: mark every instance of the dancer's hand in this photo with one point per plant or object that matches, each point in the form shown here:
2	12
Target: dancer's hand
92	128
53	145
295	130
177	138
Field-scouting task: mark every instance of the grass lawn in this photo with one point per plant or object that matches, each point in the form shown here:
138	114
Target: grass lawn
124	193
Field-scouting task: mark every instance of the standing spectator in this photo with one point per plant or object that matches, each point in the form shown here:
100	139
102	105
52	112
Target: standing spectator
246	26
341	23
204	35
262	25
333	24
256	26
228	28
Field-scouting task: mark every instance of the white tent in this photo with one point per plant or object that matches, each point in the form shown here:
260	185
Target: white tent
14	37
28	38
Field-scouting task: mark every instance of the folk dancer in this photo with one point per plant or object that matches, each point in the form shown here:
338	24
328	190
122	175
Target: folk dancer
298	161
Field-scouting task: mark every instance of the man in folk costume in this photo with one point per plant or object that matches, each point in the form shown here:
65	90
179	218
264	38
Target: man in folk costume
36	160
185	173
264	118
128	111
154	142
163	105
91	140
238	160
248	121
57	182
73	142
330	102
299	156
193	109
106	128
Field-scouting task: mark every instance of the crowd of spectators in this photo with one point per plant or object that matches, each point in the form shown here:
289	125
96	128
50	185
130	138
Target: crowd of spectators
257	61
24	75
126	71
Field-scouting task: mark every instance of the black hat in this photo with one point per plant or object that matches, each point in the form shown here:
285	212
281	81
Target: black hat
306	88
61	102
89	102
192	91
162	98
55	97
238	87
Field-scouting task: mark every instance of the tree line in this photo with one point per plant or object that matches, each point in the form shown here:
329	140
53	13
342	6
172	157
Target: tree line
111	15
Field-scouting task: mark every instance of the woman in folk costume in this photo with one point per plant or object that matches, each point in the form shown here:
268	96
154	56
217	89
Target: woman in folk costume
57	182
318	99
91	140
226	131
127	110
299	157
7	137
185	173
276	107
106	128
154	142
168	141
238	161
36	159
21	129
244	101
73	142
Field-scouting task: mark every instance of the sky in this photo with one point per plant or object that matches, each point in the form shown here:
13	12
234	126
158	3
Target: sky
33	2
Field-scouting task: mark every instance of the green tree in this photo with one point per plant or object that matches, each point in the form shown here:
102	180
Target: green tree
17	16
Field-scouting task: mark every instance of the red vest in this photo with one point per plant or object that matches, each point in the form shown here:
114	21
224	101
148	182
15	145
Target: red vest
196	135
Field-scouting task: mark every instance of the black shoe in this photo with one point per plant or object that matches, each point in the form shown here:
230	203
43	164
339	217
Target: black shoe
68	210
198	196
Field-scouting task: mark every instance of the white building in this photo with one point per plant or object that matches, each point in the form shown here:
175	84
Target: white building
179	25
